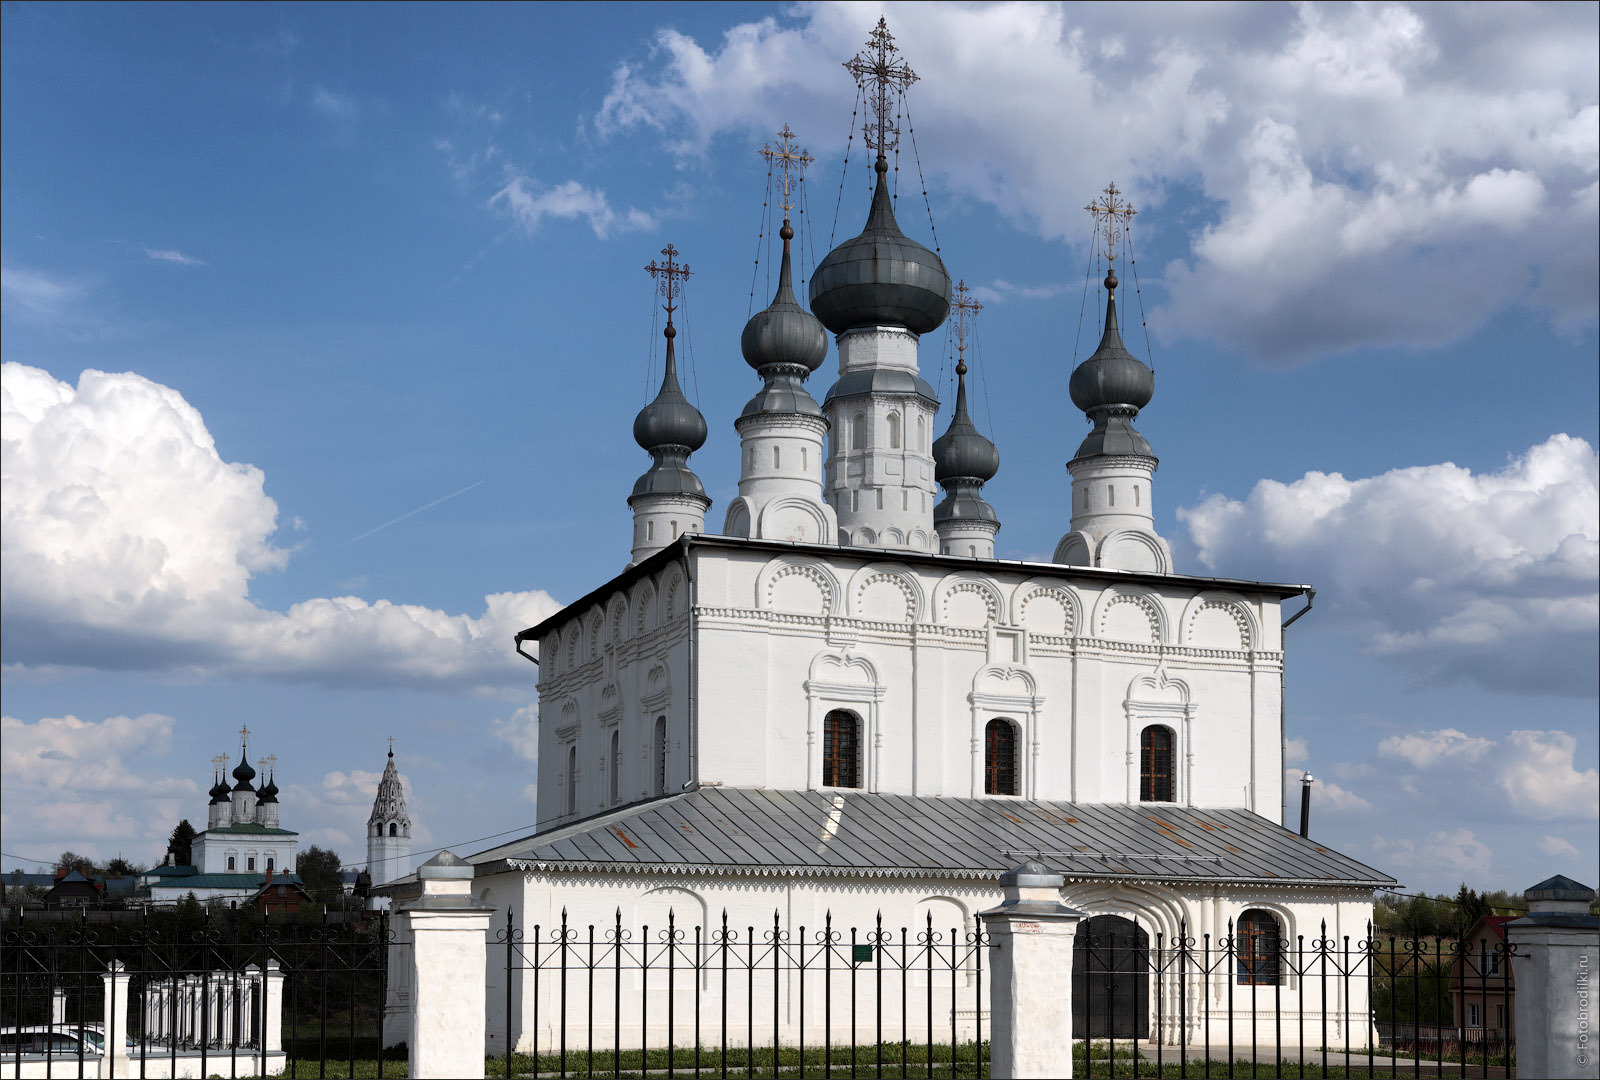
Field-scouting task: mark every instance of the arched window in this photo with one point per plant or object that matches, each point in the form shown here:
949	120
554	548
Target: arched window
841	749
777	458
230	862
858	432
270	861
1000	758
922	433
394	829
615	779
803	463
250	864
659	754
1256	943
894	431
1156	774
572	779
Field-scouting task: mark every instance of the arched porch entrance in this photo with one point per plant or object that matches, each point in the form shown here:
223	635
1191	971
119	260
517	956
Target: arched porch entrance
1110	979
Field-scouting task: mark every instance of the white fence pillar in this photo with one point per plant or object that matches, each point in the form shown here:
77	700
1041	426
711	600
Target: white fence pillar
1557	953
1030	997
116	983
271	1033
449	957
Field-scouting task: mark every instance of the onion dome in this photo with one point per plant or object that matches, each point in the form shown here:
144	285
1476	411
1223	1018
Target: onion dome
882	277
219	791
243	773
785	343
269	792
961	450
670	428
1111	387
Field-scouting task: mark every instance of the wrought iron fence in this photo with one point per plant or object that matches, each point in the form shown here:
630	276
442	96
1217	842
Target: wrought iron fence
1146	1003
581	999
229	992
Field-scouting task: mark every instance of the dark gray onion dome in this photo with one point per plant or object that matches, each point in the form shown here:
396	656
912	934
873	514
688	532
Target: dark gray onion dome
962	450
243	773
670	420
783	332
269	793
219	792
1112	375
882	277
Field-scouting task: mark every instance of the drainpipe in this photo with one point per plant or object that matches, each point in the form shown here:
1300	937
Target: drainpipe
694	669
1283	701
522	636
1306	780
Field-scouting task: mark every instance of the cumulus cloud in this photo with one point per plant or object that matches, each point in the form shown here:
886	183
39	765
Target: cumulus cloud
521	733
79	785
1374	174
130	543
1555	845
1535	771
1444	852
1488	578
1426	748
1540	778
528	204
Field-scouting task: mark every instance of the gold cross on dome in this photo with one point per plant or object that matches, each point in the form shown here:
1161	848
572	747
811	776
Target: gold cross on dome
1111	214
669	277
786	156
966	308
271	762
882	74
244	736
220	761
391	746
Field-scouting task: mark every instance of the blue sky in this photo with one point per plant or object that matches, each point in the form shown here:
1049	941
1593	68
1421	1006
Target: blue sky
341	262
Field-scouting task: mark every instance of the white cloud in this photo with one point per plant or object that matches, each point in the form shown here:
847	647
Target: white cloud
1488	578
130	543
1375	174
1555	845
528	204
1427	748
333	812
1000	290
171	256
1540	778
1447	852
34	296
79	785
341	108
521	733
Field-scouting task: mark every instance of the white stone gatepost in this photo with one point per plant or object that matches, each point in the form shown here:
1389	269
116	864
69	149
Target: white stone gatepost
449	968
271	1033
117	983
1557	952
1030	997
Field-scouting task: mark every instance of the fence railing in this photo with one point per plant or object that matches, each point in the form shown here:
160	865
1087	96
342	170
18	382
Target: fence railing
227	993
1325	1005
771	999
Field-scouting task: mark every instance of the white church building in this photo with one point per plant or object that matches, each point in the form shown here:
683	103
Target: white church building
844	704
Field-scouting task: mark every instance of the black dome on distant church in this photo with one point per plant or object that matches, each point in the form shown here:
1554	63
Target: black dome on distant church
243	773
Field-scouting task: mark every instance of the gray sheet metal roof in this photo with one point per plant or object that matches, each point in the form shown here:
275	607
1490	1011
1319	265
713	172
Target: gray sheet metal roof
759	831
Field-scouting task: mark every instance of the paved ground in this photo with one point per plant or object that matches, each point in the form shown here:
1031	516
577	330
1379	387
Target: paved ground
1292	1056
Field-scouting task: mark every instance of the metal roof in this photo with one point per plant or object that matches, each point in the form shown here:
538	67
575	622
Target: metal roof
846	833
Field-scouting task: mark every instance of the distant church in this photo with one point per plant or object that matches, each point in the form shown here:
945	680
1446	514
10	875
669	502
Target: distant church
846	704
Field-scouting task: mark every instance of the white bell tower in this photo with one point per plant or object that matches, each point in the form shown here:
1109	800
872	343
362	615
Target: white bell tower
389	828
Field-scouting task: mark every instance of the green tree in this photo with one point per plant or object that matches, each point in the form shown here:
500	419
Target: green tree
71	860
319	870
1470	907
120	868
182	843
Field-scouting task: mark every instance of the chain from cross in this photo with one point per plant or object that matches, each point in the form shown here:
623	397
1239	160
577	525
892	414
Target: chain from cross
244	737
786	156
965	308
880	65
669	278
1111	213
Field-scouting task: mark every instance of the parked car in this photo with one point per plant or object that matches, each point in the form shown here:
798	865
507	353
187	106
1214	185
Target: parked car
54	1040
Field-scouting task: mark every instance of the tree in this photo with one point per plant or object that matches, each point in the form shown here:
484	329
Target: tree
71	860
182	844
319	870
121	868
1470	907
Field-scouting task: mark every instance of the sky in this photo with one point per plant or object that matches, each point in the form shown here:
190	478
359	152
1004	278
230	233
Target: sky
324	326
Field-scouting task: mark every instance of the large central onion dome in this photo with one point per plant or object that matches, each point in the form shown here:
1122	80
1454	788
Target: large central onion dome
882	277
243	773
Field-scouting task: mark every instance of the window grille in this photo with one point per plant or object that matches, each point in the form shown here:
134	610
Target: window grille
661	755
615	779
1000	758
841	750
572	779
1256	945
1156	776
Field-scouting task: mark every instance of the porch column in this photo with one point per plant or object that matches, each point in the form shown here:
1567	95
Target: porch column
449	968
1030	997
1557	951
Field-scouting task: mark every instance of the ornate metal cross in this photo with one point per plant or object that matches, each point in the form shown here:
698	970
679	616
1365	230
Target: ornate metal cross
881	74
271	762
787	156
1111	214
669	277
220	761
391	746
244	737
966	308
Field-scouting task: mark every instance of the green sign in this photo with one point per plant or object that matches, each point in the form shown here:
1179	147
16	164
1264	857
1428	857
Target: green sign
861	954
